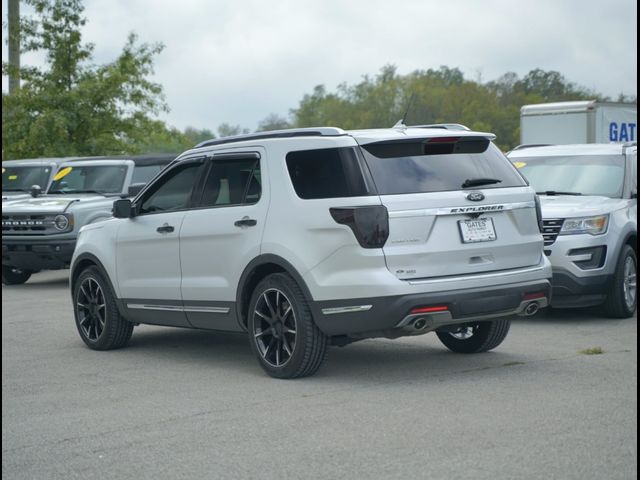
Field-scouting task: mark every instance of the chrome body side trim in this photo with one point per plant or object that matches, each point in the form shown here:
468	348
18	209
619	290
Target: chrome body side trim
349	309
176	308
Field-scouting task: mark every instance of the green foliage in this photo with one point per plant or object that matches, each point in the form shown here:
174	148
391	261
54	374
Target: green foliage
72	107
273	122
439	96
227	130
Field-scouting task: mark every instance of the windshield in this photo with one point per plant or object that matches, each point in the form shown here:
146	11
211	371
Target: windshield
16	178
484	166
89	179
601	175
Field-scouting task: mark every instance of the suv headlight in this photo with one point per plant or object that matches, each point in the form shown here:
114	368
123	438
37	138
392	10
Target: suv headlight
63	223
591	225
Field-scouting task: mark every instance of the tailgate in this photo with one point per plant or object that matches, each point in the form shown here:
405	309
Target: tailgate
443	234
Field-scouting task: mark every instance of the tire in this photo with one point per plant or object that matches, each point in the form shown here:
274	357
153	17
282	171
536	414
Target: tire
618	303
480	336
276	309
100	327
14	276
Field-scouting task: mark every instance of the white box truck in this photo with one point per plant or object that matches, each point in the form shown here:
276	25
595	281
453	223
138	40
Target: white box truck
578	122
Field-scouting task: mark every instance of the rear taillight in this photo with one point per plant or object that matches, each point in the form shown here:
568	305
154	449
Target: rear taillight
539	214
369	224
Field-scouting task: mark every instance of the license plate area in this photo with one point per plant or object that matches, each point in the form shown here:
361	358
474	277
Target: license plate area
477	230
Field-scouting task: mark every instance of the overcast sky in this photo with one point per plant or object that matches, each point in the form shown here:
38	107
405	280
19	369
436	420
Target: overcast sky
238	61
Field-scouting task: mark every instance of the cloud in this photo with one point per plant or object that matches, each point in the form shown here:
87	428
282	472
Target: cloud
238	61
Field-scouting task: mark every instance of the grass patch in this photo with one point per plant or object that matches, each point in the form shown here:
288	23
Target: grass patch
592	351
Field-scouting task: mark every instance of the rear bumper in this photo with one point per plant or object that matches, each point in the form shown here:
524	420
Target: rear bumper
35	255
391	316
571	291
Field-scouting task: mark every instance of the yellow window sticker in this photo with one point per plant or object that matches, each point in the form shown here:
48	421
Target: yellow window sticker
62	173
520	164
13	177
3	170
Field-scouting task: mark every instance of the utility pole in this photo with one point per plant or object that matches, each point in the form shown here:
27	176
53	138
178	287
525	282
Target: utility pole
14	45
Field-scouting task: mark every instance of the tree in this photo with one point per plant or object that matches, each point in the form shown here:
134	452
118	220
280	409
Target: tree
273	122
227	130
71	106
441	95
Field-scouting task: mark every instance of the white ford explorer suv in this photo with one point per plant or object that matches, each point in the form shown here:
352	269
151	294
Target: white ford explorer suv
314	237
590	209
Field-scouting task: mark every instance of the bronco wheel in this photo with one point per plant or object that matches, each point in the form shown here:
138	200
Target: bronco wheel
14	276
282	332
98	320
476	337
622	298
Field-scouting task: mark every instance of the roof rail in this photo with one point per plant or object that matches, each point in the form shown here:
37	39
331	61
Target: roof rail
292	132
446	126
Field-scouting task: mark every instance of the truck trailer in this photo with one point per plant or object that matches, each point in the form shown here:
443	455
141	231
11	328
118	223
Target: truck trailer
578	122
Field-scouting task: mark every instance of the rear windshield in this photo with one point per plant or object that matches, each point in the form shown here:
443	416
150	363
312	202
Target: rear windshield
18	178
422	167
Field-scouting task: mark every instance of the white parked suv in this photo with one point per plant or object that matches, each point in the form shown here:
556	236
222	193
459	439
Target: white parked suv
313	237
590	209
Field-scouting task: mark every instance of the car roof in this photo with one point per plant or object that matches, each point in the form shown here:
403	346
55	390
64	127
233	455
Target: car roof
140	160
363	137
570	150
40	161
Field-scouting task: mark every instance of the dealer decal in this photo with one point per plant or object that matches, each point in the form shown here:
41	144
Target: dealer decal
62	173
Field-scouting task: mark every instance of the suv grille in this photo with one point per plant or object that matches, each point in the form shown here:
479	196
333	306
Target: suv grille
551	230
27	224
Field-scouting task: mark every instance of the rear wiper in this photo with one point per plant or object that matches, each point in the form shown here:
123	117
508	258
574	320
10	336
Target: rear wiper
553	192
477	182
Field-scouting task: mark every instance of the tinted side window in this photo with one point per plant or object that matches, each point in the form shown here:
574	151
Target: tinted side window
173	191
328	173
232	182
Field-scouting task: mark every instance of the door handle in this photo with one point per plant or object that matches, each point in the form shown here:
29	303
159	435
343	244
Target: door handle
166	228
246	222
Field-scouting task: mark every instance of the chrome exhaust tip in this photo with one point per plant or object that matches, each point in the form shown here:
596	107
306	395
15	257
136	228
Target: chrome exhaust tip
532	309
420	324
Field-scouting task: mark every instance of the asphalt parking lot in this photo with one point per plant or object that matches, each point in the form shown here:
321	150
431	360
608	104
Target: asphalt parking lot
190	404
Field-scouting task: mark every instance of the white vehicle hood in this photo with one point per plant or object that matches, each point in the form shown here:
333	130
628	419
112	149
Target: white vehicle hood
48	203
11	196
565	206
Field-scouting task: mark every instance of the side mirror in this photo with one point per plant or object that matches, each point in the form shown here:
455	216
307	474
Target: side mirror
135	189
35	191
122	208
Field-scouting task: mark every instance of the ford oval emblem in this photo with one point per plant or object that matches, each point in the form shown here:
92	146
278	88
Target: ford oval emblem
475	197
